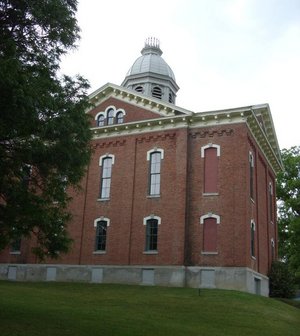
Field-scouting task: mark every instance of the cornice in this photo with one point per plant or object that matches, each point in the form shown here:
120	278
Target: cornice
175	117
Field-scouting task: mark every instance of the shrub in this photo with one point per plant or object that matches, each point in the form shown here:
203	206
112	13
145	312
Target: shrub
281	280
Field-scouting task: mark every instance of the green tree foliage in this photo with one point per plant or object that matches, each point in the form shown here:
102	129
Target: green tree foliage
44	130
288	193
281	281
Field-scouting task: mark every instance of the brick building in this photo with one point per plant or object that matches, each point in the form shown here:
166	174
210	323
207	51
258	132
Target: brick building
171	196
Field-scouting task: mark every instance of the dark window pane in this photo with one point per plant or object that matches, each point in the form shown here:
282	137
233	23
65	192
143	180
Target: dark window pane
151	234
101	236
100	120
110	117
120	118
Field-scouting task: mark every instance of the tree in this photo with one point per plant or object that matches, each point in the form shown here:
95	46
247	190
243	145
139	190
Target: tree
44	130
281	280
288	193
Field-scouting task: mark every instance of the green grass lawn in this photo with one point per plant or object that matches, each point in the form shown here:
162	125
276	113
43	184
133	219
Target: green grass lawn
30	309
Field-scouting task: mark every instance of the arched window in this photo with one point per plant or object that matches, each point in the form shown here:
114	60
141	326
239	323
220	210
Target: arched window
106	163
120	117
252	239
100	120
210	224
251	174
151	223
156	92
110	116
101	225
154	156
211	153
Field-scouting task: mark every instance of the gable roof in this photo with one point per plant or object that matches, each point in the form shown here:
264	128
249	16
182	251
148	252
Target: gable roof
149	103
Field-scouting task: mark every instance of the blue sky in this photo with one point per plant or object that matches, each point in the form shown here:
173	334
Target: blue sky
224	53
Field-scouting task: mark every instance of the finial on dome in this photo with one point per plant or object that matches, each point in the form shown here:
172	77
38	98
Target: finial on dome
152	46
152	42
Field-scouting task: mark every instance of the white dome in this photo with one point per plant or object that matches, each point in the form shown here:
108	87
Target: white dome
151	62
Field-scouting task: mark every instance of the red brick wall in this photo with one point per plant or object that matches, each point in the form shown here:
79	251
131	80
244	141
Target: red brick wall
229	203
181	204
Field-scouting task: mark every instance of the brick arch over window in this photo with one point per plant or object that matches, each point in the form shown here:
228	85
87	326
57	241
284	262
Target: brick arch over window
211	154
210	223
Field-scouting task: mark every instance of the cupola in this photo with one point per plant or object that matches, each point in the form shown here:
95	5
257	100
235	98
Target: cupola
151	75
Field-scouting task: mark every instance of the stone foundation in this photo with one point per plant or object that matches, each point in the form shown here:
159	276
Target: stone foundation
234	278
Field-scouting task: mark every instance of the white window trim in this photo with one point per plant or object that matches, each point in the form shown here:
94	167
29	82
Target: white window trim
252	223
98	114
251	159
152	217
111	107
102	218
120	110
210	145
155	149
102	157
210	215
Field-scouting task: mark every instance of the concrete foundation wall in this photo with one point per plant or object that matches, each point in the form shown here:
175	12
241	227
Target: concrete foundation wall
234	278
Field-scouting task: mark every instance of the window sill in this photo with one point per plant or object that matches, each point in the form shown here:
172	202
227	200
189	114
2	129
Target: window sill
103	199
99	252
252	200
15	252
253	258
209	253
150	252
211	194
153	196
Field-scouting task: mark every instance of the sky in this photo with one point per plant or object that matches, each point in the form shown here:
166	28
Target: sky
224	53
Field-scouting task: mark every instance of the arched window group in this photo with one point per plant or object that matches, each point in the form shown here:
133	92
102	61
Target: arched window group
111	116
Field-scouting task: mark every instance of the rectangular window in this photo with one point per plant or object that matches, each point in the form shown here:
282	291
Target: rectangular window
151	234
155	165
15	246
106	177
101	233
